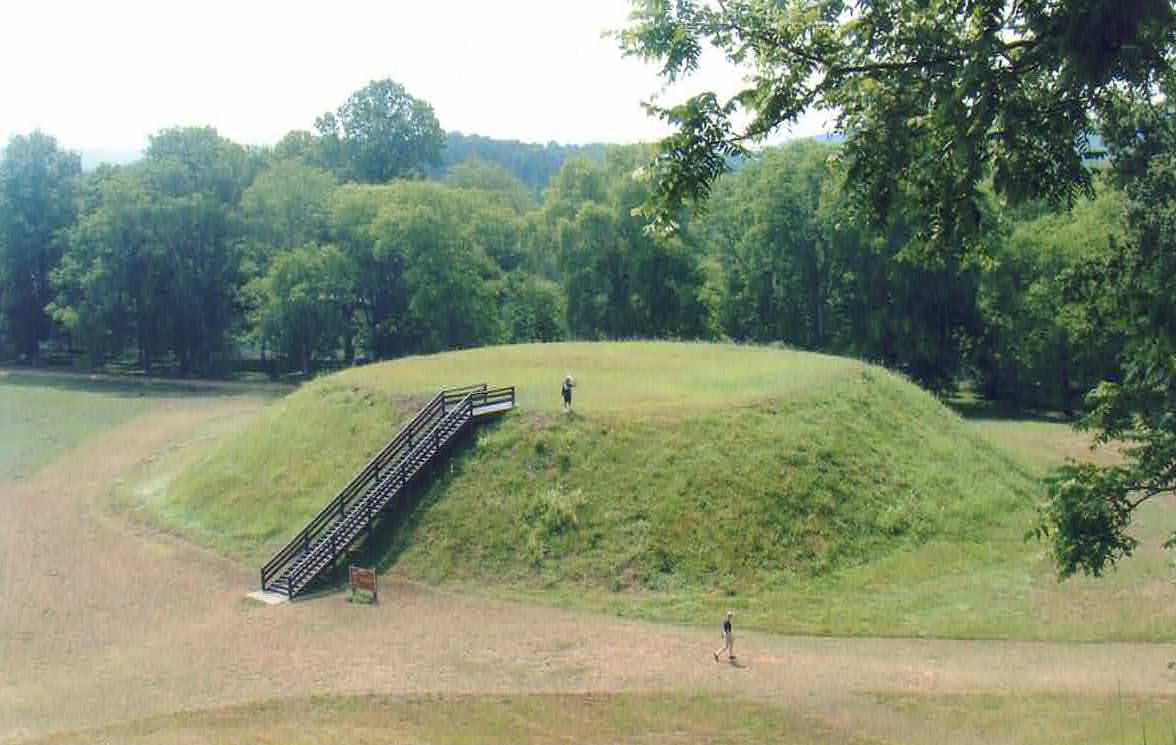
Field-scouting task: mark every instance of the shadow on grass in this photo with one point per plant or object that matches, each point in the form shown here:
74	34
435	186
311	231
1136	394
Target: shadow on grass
971	405
129	387
393	530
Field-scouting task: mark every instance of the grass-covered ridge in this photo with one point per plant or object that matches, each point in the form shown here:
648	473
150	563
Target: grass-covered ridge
694	467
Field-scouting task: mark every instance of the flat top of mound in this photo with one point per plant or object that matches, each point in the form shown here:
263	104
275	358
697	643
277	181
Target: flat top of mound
628	378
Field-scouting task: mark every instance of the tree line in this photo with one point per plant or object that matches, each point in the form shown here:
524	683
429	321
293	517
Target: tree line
334	246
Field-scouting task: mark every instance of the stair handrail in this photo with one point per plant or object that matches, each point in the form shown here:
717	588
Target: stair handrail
465	405
492	396
359	483
310	531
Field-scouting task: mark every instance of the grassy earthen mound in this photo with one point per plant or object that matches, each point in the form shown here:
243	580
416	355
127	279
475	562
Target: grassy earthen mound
684	466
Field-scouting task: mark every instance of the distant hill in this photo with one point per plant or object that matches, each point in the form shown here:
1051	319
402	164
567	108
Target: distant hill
532	163
95	156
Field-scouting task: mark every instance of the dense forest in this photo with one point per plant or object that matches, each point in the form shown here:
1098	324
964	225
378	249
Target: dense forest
377	235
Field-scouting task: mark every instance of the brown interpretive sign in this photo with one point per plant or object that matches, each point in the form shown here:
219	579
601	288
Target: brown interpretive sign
363	579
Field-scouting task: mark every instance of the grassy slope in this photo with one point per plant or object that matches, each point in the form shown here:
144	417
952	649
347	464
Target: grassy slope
739	500
254	489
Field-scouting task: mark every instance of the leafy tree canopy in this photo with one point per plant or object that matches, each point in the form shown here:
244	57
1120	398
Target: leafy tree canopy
934	96
380	133
37	184
287	206
1089	511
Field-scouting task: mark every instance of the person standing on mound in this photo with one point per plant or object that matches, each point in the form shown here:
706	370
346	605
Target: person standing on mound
568	384
728	638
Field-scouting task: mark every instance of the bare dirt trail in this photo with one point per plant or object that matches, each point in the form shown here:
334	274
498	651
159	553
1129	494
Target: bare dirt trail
102	621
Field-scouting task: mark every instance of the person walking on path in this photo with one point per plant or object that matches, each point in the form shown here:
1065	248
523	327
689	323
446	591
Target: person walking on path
568	384
728	638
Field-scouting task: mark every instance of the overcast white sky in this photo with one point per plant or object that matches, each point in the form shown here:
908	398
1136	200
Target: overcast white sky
104	75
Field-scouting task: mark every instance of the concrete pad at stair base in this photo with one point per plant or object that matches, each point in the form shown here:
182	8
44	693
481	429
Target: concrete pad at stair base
269	598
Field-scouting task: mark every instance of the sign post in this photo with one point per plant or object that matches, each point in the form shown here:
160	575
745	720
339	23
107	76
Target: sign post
363	579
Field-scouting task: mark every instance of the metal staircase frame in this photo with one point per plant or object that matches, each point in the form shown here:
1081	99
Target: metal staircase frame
422	442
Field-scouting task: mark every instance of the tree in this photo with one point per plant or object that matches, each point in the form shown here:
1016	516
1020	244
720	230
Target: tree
771	232
1044	341
934	96
110	283
620	280
533	309
379	295
297	144
1089	512
196	160
37	185
448	276
381	133
300	303
286	206
476	173
497	223
157	255
798	265
195	179
423	279
533	164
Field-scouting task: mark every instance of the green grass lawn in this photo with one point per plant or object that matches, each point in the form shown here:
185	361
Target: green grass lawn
44	416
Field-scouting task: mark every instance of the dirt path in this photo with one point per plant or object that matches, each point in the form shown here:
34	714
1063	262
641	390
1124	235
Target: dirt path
102	621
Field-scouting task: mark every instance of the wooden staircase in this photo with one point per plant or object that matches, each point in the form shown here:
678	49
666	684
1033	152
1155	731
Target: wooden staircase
414	451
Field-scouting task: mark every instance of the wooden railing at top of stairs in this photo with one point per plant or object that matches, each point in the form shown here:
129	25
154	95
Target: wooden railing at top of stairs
431	416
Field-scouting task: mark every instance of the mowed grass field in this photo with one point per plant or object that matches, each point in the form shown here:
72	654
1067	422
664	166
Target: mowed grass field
813	494
42	417
637	719
44	414
473	720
